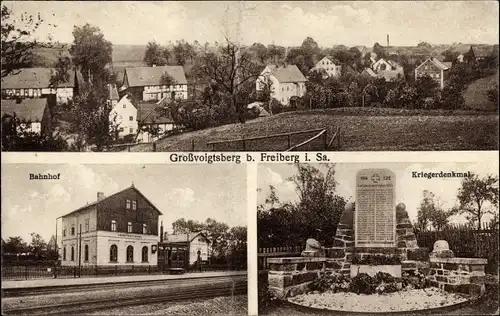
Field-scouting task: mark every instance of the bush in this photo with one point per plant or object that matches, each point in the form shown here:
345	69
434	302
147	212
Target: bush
415	280
362	283
332	283
275	106
252	113
265	298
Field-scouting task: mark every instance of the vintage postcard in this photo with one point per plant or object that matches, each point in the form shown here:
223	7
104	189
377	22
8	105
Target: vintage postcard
249	157
249	76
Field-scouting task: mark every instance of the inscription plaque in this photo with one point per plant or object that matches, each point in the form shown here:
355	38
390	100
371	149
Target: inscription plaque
375	212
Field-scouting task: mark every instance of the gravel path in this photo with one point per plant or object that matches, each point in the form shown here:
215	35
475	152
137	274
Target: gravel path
391	302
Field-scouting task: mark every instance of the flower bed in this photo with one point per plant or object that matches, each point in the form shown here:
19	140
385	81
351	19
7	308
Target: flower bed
405	300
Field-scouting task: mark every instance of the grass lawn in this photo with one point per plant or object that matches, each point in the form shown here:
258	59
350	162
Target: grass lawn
475	94
369	129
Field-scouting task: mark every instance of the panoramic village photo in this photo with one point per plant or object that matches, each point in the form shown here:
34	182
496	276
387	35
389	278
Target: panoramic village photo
249	76
124	239
366	238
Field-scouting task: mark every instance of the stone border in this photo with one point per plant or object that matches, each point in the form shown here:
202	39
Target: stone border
434	311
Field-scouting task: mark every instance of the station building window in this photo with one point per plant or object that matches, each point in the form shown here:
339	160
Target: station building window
127	204
72	253
113	225
64	253
144	228
86	253
73	230
145	254
113	253
134	204
64	232
130	254
129	227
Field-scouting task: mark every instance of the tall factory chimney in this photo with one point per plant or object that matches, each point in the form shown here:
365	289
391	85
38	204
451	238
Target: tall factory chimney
388	40
161	231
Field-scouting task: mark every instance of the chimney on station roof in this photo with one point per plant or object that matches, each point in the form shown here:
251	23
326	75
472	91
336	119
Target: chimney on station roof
100	196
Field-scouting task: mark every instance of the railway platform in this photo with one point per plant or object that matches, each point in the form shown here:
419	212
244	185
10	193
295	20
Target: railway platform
36	283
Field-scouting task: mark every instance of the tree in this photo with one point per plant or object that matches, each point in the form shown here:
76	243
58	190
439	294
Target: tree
38	246
276	53
379	50
431	213
155	55
62	73
17	44
15	245
181	226
260	52
426	86
91	52
92	123
318	203
230	71
474	194
180	54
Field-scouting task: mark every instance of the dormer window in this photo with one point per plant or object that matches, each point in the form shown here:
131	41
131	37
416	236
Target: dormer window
124	105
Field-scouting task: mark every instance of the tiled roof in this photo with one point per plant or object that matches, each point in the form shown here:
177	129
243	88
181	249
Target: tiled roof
289	73
151	76
151	113
29	110
107	197
370	72
439	64
182	237
34	78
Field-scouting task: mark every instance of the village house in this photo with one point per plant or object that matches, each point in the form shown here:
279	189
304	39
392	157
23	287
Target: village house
436	69
121	229
332	69
284	82
154	117
196	243
30	83
33	114
465	53
113	96
123	115
155	83
387	69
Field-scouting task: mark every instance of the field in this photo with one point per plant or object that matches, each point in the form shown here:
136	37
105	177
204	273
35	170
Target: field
475	94
362	129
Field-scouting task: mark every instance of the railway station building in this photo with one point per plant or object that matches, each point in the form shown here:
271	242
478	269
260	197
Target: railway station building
120	229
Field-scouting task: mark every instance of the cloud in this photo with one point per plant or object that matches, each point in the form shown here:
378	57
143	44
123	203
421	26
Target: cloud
183	197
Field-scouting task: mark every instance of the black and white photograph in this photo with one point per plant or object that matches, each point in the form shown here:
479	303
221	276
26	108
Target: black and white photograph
124	239
139	76
378	238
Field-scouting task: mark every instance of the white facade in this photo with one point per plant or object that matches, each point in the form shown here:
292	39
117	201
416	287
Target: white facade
200	244
331	69
33	127
146	137
63	95
176	91
124	114
96	248
282	91
381	65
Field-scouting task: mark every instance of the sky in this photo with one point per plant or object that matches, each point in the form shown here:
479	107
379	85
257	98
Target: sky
285	23
191	191
408	190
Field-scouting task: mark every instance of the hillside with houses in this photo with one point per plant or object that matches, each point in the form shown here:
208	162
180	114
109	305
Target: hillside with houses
58	98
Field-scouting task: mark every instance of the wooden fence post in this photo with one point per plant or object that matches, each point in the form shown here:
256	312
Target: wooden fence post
26	270
338	137
154	146
325	141
192	145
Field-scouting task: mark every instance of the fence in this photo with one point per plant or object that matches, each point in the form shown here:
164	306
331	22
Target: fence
26	270
466	241
307	140
265	253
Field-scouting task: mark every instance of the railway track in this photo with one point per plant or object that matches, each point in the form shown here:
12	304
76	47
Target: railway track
79	307
18	292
